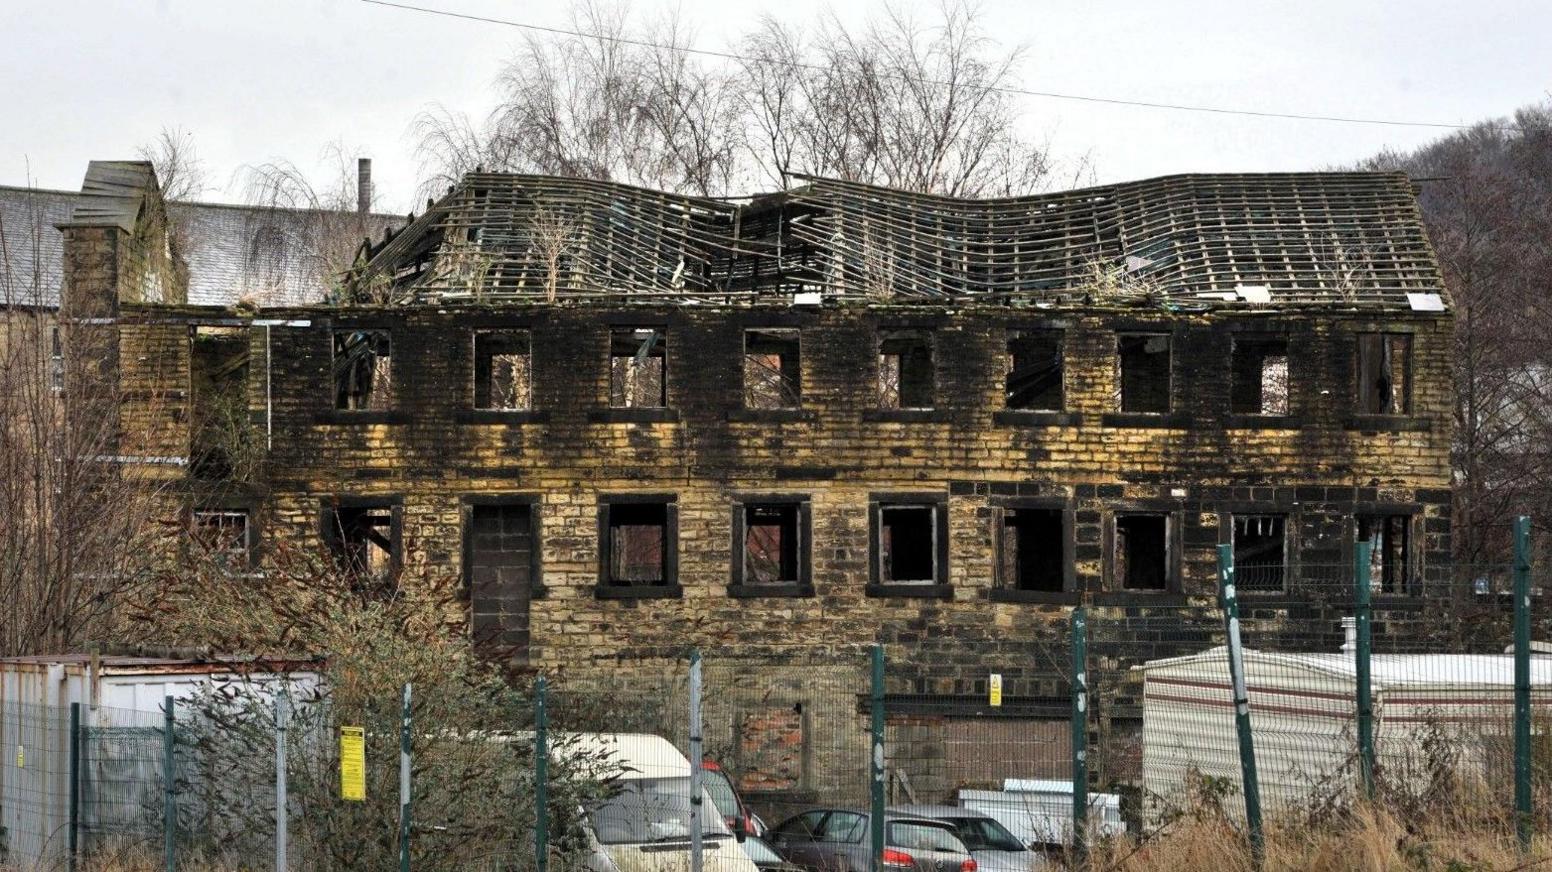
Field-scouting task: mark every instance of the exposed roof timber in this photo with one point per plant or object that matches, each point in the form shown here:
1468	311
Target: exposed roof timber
1340	238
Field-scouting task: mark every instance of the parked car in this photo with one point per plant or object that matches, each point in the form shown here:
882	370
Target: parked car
644	826
765	857
840	840
993	847
729	802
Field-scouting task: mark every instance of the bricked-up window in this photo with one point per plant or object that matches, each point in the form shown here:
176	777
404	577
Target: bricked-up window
908	544
1034	379
221	534
905	371
772	543
772	369
1260	377
365	542
1142	373
1032	553
1390	558
638	371
637	550
363	370
499	555
1141	560
501	370
1260	553
1384	373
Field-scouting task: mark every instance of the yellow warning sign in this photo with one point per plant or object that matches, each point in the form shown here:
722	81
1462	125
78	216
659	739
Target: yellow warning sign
21	757
994	689
353	763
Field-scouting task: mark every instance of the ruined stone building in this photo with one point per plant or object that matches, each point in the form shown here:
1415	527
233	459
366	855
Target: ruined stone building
782	430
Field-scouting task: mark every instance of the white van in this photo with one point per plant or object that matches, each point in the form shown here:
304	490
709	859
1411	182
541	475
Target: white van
645	827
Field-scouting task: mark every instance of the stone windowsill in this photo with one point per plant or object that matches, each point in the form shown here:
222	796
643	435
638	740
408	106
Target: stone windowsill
501	416
638	592
633	416
1147	420
1034	418
911	591
906	416
770	416
770	591
1388	424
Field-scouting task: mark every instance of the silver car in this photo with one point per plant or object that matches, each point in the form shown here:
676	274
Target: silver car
993	847
839	840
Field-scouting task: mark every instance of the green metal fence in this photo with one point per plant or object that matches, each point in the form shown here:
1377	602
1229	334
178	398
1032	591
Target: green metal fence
1277	699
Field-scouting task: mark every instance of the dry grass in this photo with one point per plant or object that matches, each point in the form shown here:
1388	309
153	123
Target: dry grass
1367	840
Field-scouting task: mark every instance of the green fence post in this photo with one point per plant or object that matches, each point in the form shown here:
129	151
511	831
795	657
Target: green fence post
405	724
75	783
1247	744
1080	734
169	791
541	778
876	764
1522	795
1363	649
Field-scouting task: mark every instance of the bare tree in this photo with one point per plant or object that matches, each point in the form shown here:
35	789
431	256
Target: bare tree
1487	202
179	170
86	500
897	103
305	233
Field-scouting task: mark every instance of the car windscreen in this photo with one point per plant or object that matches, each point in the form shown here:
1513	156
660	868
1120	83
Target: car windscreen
914	835
650	810
720	789
985	834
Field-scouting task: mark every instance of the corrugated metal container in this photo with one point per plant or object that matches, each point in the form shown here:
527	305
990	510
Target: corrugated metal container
1039	811
1303	717
116	693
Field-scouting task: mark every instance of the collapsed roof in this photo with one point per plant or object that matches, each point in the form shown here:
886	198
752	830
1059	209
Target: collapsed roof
1345	239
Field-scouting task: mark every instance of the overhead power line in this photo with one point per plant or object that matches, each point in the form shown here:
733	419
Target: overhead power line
1024	92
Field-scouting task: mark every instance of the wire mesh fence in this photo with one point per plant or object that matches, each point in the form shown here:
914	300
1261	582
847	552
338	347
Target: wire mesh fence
1423	694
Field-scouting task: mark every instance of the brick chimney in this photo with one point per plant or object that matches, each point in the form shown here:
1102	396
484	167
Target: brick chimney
363	185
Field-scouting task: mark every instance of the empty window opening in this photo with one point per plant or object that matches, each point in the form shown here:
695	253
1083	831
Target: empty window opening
222	535
1033	556
500	573
363	370
362	539
772	533
1142	377
905	372
772	374
1141	556
1260	377
1034	378
638	375
222	444
1389	559
908	544
1384	373
56	360
1260	552
502	377
638	545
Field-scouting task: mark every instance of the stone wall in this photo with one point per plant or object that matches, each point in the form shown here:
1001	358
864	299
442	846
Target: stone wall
791	655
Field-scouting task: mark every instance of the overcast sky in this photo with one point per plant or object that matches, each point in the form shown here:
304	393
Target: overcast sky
256	81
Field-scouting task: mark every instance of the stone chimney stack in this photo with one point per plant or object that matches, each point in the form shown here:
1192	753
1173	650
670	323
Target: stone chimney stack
363	185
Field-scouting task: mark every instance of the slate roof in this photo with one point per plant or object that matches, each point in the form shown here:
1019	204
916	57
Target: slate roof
232	251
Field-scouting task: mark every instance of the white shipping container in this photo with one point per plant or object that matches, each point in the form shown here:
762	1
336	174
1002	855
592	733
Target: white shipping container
123	694
1303	720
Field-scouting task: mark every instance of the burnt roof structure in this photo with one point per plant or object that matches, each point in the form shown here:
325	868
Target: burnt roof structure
1346	239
